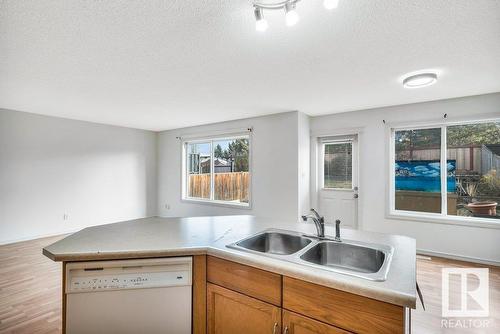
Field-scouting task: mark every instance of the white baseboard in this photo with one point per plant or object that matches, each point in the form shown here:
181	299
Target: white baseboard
38	236
458	257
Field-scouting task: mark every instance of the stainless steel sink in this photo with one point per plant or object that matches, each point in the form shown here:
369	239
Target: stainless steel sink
274	242
365	260
345	256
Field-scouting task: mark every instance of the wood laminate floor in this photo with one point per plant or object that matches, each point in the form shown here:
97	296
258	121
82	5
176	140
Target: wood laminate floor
30	292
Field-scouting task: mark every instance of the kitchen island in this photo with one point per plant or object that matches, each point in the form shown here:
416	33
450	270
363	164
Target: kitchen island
206	238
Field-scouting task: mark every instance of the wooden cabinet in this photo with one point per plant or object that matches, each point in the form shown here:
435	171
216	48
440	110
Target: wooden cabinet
250	281
247	300
231	312
342	309
294	323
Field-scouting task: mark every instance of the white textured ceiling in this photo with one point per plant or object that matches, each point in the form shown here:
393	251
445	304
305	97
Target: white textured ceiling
161	64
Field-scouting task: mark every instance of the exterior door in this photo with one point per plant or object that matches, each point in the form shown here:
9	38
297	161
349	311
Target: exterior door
338	179
230	312
294	323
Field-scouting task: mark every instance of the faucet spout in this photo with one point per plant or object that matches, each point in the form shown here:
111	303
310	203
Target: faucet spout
319	222
315	213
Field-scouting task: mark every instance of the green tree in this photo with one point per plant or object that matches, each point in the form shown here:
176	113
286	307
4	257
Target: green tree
457	135
473	134
238	151
218	153
421	138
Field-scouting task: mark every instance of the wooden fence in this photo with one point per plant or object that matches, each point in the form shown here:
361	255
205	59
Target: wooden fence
227	186
473	158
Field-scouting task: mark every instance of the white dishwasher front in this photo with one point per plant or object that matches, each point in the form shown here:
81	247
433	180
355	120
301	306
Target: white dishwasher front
129	296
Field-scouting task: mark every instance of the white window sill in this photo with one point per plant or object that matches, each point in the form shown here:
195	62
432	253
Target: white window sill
449	220
226	204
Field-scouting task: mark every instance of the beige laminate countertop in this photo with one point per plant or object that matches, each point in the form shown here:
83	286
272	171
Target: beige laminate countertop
162	237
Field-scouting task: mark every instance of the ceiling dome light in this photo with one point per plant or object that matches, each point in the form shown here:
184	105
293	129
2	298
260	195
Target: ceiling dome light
291	15
420	80
330	4
260	21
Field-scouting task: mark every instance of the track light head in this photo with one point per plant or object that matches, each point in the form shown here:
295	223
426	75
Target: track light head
330	4
291	15
260	21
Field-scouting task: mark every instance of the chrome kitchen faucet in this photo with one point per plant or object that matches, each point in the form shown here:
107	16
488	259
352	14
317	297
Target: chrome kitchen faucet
319	222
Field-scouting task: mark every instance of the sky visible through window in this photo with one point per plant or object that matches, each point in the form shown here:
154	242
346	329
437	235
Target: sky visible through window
201	148
204	148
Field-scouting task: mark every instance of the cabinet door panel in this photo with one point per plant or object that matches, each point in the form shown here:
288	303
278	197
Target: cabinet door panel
247	280
230	312
342	309
298	324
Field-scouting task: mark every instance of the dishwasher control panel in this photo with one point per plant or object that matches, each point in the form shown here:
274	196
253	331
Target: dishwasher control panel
105	282
97	276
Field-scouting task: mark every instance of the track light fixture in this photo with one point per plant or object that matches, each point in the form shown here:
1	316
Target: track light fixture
330	4
260	21
291	15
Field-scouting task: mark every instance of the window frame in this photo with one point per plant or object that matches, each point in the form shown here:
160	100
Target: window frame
211	139
429	217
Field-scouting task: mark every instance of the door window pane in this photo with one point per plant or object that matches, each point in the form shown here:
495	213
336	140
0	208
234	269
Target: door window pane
417	170
474	152
231	170
198	170
337	172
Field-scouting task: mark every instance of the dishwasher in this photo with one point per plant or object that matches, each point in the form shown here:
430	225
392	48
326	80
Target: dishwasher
129	296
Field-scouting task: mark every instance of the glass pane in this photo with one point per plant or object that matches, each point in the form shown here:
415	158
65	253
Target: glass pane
474	150
198	170
337	172
231	170
417	170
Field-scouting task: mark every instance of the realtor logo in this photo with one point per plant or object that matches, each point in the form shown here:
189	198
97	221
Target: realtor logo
470	286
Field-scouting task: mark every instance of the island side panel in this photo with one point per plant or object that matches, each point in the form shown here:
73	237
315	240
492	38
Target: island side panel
63	297
199	320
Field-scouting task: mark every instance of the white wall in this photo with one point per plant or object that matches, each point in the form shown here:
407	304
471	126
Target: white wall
464	241
99	174
304	171
51	166
274	167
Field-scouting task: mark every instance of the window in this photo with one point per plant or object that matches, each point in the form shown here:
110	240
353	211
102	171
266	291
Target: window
448	170
337	169
475	186
199	164
218	170
417	170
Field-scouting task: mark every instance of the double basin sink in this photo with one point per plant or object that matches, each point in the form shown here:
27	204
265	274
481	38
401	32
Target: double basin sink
360	259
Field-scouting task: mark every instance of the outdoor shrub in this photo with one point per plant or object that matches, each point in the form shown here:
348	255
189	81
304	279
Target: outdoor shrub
489	184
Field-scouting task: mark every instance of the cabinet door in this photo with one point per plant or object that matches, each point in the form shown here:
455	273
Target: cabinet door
342	309
294	323
230	312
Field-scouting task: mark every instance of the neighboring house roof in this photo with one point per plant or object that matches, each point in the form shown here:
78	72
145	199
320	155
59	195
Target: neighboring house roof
218	162
221	162
495	148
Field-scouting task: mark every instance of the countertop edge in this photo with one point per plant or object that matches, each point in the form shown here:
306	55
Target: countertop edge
253	261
